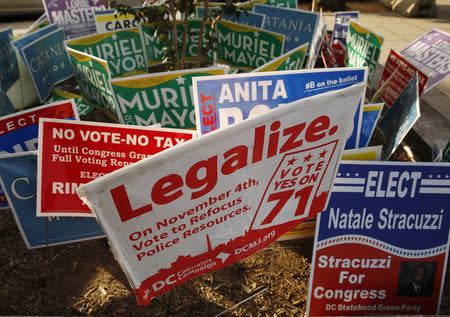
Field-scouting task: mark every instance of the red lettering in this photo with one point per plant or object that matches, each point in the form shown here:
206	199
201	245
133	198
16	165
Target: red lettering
206	183
167	189
123	206
317	129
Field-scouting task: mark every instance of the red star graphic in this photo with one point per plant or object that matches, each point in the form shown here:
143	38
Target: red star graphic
291	161
307	158
322	154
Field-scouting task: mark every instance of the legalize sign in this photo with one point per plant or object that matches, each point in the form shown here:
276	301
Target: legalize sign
74	153
397	72
47	61
18	176
292	60
298	26
122	49
92	75
246	47
382	245
163	98
220	198
221	101
363	47
431	54
76	17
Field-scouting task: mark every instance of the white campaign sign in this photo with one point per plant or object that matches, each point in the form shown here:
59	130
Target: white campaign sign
219	198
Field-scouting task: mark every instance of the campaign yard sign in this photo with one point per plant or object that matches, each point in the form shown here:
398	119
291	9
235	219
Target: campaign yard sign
371	114
245	47
242	17
221	101
164	98
279	3
401	117
19	131
153	47
18	177
76	17
9	70
382	245
48	62
363	48
341	21
397	72
75	153
220	198
431	54
292	60
60	95
298	26
111	20
92	75
316	43
122	49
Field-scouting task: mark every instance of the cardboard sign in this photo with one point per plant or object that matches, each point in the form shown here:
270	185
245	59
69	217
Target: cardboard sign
220	198
292	60
401	117
92	75
47	60
371	114
246	47
122	49
397	73
9	71
341	21
19	131
18	176
363	47
316	43
153	46
75	17
307	228
298	26
382	245
82	108
430	53
159	98
245	17
75	153
224	100
111	20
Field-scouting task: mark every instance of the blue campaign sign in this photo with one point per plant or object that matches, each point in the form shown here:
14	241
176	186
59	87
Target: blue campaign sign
371	114
28	38
9	70
48	62
341	25
228	99
18	177
19	131
385	219
400	117
298	26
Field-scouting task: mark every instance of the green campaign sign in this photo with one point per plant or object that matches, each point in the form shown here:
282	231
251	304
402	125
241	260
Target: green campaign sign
92	75
363	47
122	49
153	46
246	47
292	60
163	98
292	4
60	95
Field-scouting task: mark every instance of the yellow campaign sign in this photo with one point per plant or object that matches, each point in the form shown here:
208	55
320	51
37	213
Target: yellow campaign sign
307	228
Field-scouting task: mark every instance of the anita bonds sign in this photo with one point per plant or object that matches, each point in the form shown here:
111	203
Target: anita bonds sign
76	17
92	75
18	176
122	49
246	47
382	245
363	47
74	153
220	198
163	98
221	101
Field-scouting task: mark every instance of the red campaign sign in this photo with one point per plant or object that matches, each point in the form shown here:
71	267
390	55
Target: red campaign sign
396	74
224	196
74	153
